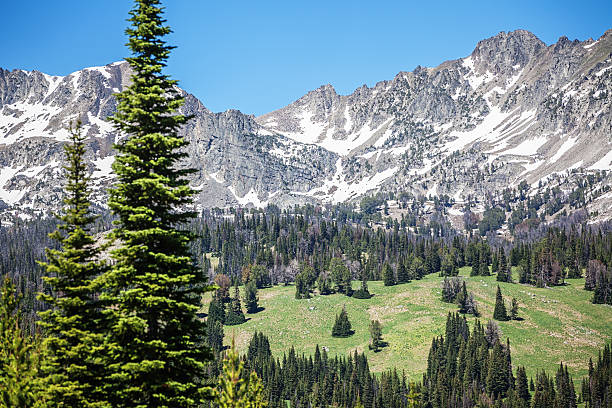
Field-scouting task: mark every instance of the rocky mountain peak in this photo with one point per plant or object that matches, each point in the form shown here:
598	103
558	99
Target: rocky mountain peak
506	50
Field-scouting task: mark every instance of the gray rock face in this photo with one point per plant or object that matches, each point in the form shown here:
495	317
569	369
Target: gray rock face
238	161
529	109
515	109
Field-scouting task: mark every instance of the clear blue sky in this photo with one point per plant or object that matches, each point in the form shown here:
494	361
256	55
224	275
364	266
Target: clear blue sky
258	56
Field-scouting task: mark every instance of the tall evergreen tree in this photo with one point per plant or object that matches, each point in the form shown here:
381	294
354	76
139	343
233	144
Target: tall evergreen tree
74	324
522	388
504	274
388	277
342	325
376	340
250	297
216	309
499	313
402	273
234	313
155	287
514	309
18	357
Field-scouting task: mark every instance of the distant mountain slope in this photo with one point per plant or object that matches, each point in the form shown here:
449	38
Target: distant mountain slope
239	161
515	109
528	109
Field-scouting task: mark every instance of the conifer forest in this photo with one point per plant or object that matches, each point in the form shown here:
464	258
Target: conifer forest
150	300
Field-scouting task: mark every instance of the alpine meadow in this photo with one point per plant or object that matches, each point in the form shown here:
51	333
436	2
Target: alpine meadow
441	239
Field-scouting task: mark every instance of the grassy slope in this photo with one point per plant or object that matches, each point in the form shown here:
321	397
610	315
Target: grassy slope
560	324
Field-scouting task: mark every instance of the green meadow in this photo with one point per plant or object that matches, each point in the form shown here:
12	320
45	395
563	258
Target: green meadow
558	324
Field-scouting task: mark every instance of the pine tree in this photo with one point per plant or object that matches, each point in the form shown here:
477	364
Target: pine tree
484	266
155	286
522	388
514	309
402	273
216	309
214	334
363	292
499	313
250	297
462	299
342	325
234	389
504	274
341	276
497	375
234	314
388	277
74	324
18	357
475	264
376	340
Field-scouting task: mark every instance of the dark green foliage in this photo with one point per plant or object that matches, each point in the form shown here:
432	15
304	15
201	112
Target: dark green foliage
597	388
522	388
216	309
214	335
304	281
492	219
320	380
388	276
259	274
599	280
234	312
449	267
544	394
341	276
498	373
363	292
462	364
376	340
157	341
565	390
18	357
466	302
74	325
324	284
250	297
503	273
417	270
475	264
514	309
403	275
369	205
499	313
342	325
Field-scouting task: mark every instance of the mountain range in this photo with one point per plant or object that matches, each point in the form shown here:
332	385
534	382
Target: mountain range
515	110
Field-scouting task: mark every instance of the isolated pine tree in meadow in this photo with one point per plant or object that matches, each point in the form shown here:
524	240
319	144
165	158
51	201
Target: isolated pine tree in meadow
376	340
342	325
74	325
514	309
250	297
156	345
500	313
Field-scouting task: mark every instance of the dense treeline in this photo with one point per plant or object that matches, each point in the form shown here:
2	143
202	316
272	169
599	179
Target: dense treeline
465	368
278	244
597	388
